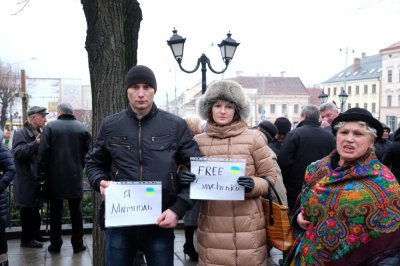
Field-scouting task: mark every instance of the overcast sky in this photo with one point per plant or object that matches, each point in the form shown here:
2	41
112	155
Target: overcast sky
300	37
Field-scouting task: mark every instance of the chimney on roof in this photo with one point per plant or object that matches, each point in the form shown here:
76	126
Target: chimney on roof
356	64
283	74
239	73
363	55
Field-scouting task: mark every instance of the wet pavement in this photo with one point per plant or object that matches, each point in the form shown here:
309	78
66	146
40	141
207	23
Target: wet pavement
18	256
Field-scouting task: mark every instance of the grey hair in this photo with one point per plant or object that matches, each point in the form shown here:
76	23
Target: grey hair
327	106
65	108
370	130
310	111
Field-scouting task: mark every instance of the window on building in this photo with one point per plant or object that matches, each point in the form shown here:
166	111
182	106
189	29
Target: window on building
398	100
272	108
357	89
373	108
391	121
374	88
348	106
296	108
357	105
284	108
366	106
329	91
349	90
389	77
389	101
334	91
365	89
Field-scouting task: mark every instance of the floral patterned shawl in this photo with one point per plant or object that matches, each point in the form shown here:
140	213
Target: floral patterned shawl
354	211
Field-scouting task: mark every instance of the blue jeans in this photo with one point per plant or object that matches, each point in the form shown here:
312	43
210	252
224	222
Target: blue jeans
156	243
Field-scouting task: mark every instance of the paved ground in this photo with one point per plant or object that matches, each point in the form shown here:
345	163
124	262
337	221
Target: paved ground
41	257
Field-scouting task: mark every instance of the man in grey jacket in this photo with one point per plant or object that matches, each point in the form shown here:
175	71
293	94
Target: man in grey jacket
143	143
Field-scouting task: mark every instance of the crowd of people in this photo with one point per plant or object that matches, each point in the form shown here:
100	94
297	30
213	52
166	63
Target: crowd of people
337	172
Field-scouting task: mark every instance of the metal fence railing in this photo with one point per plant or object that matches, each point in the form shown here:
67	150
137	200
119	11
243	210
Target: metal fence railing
14	213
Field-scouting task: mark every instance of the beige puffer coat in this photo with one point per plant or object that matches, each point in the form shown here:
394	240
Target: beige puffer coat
233	232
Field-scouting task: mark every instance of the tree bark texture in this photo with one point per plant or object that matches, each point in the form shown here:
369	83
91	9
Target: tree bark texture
111	43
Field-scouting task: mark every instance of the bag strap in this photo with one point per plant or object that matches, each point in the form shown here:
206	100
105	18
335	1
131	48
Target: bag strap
272	187
269	198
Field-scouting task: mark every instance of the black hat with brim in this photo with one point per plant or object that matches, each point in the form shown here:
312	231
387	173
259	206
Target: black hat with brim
358	114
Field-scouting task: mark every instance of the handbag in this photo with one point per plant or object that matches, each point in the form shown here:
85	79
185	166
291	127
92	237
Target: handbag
277	221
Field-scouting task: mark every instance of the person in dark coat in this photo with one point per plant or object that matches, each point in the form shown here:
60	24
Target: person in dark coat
383	143
64	145
391	158
303	145
284	126
24	149
7	168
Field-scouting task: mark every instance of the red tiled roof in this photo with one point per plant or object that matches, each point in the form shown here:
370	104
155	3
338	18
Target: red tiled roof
314	93
391	47
273	85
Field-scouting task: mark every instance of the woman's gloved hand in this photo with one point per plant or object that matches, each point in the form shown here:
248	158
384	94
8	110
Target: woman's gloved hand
247	182
185	177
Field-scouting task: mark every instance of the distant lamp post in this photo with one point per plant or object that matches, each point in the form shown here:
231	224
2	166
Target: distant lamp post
323	97
227	46
343	98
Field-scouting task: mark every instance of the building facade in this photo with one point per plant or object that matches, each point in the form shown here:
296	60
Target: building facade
361	81
390	94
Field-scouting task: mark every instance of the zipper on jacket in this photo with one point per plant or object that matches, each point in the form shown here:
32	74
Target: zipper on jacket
140	151
121	145
159	137
116	175
173	184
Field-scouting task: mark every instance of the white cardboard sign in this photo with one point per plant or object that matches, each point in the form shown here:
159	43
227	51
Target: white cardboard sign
216	178
132	203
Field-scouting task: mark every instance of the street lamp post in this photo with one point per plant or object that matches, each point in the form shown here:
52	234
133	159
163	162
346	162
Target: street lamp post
323	97
343	91
342	98
228	47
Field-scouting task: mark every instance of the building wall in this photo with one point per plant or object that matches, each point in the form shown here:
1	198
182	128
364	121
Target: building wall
390	110
366	97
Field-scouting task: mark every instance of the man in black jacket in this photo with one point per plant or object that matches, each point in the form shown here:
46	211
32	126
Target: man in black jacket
303	145
24	149
143	143
63	147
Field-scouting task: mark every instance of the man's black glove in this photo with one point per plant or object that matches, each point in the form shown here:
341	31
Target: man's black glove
247	182
185	177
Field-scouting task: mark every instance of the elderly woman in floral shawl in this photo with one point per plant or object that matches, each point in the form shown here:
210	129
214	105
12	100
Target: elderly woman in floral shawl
349	208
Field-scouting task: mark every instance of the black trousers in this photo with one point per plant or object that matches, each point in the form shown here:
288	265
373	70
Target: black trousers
3	241
30	223
75	211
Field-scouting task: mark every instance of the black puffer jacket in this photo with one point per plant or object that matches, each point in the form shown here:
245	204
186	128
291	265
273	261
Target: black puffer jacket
149	149
24	150
391	157
64	144
8	170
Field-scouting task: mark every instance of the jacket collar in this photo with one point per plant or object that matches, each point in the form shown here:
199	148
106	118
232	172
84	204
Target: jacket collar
66	117
31	131
153	111
308	122
228	131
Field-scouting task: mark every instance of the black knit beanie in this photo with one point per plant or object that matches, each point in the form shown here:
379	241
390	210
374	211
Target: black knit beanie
268	129
140	74
283	125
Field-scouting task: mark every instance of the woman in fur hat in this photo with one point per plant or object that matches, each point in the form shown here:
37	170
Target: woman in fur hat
233	232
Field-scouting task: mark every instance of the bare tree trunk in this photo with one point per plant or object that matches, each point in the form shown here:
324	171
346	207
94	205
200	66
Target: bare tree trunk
111	43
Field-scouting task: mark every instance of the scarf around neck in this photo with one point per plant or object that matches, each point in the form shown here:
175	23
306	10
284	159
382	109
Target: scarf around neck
348	206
